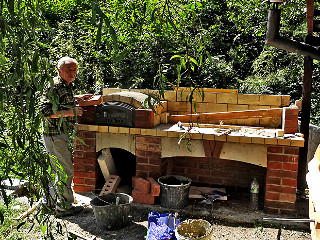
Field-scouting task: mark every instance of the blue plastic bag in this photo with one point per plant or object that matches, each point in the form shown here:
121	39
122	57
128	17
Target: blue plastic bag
162	226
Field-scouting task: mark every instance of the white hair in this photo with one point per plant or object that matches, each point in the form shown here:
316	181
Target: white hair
65	61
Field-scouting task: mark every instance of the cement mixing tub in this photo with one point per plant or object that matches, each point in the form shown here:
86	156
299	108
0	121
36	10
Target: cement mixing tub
194	229
174	191
112	210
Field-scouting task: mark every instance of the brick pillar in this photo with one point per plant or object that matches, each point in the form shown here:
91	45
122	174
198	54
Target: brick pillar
148	157
281	181
85	162
290	119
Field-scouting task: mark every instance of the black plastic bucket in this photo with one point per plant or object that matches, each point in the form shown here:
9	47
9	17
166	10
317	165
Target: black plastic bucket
112	210
174	191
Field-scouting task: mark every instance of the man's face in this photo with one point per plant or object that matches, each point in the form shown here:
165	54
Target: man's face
68	72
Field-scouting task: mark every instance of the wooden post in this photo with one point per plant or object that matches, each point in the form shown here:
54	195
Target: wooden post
305	120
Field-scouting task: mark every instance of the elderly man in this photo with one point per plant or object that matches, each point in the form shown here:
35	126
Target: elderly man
58	107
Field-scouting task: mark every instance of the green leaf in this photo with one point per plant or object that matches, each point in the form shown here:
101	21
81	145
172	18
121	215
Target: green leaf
43	229
175	56
193	60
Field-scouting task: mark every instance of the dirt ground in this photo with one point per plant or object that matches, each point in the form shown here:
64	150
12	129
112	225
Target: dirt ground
230	219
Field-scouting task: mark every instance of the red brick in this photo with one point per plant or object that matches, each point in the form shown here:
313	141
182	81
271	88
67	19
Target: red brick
279	205
141	184
89	134
89	182
143	124
210	180
155	161
78	181
141	197
141	146
142	167
141	160
236	182
151	154
280	189
203	172
179	170
89	148
90	141
274	165
291	118
274	181
272	196
155	148
289	182
77	160
154	140
290	130
291	124
77	188
92	155
155	187
207	148
90	161
282	158
78	167
141	153
85	174
231	175
275	149
288	198
290	166
291	111
291	150
77	154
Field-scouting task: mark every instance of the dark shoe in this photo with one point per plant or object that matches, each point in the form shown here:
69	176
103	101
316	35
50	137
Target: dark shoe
74	210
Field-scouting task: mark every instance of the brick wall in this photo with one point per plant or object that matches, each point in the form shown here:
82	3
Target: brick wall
148	157
214	171
281	181
85	162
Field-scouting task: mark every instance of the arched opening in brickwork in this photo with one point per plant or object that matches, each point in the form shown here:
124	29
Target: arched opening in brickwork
125	165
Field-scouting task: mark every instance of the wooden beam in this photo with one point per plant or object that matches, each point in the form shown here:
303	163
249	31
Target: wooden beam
310	16
219	116
305	121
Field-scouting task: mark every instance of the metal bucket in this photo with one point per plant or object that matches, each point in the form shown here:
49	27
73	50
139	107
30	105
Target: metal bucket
174	191
194	229
112	210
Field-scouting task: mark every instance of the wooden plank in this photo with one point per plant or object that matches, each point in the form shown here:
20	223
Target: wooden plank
305	120
209	117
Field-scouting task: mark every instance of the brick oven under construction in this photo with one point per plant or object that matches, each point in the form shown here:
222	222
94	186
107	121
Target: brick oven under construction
258	138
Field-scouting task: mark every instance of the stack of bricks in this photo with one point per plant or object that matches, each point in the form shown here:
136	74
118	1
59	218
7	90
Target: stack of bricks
85	162
148	157
145	190
281	181
290	119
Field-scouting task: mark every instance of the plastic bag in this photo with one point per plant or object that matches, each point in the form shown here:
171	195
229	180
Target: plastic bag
162	226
